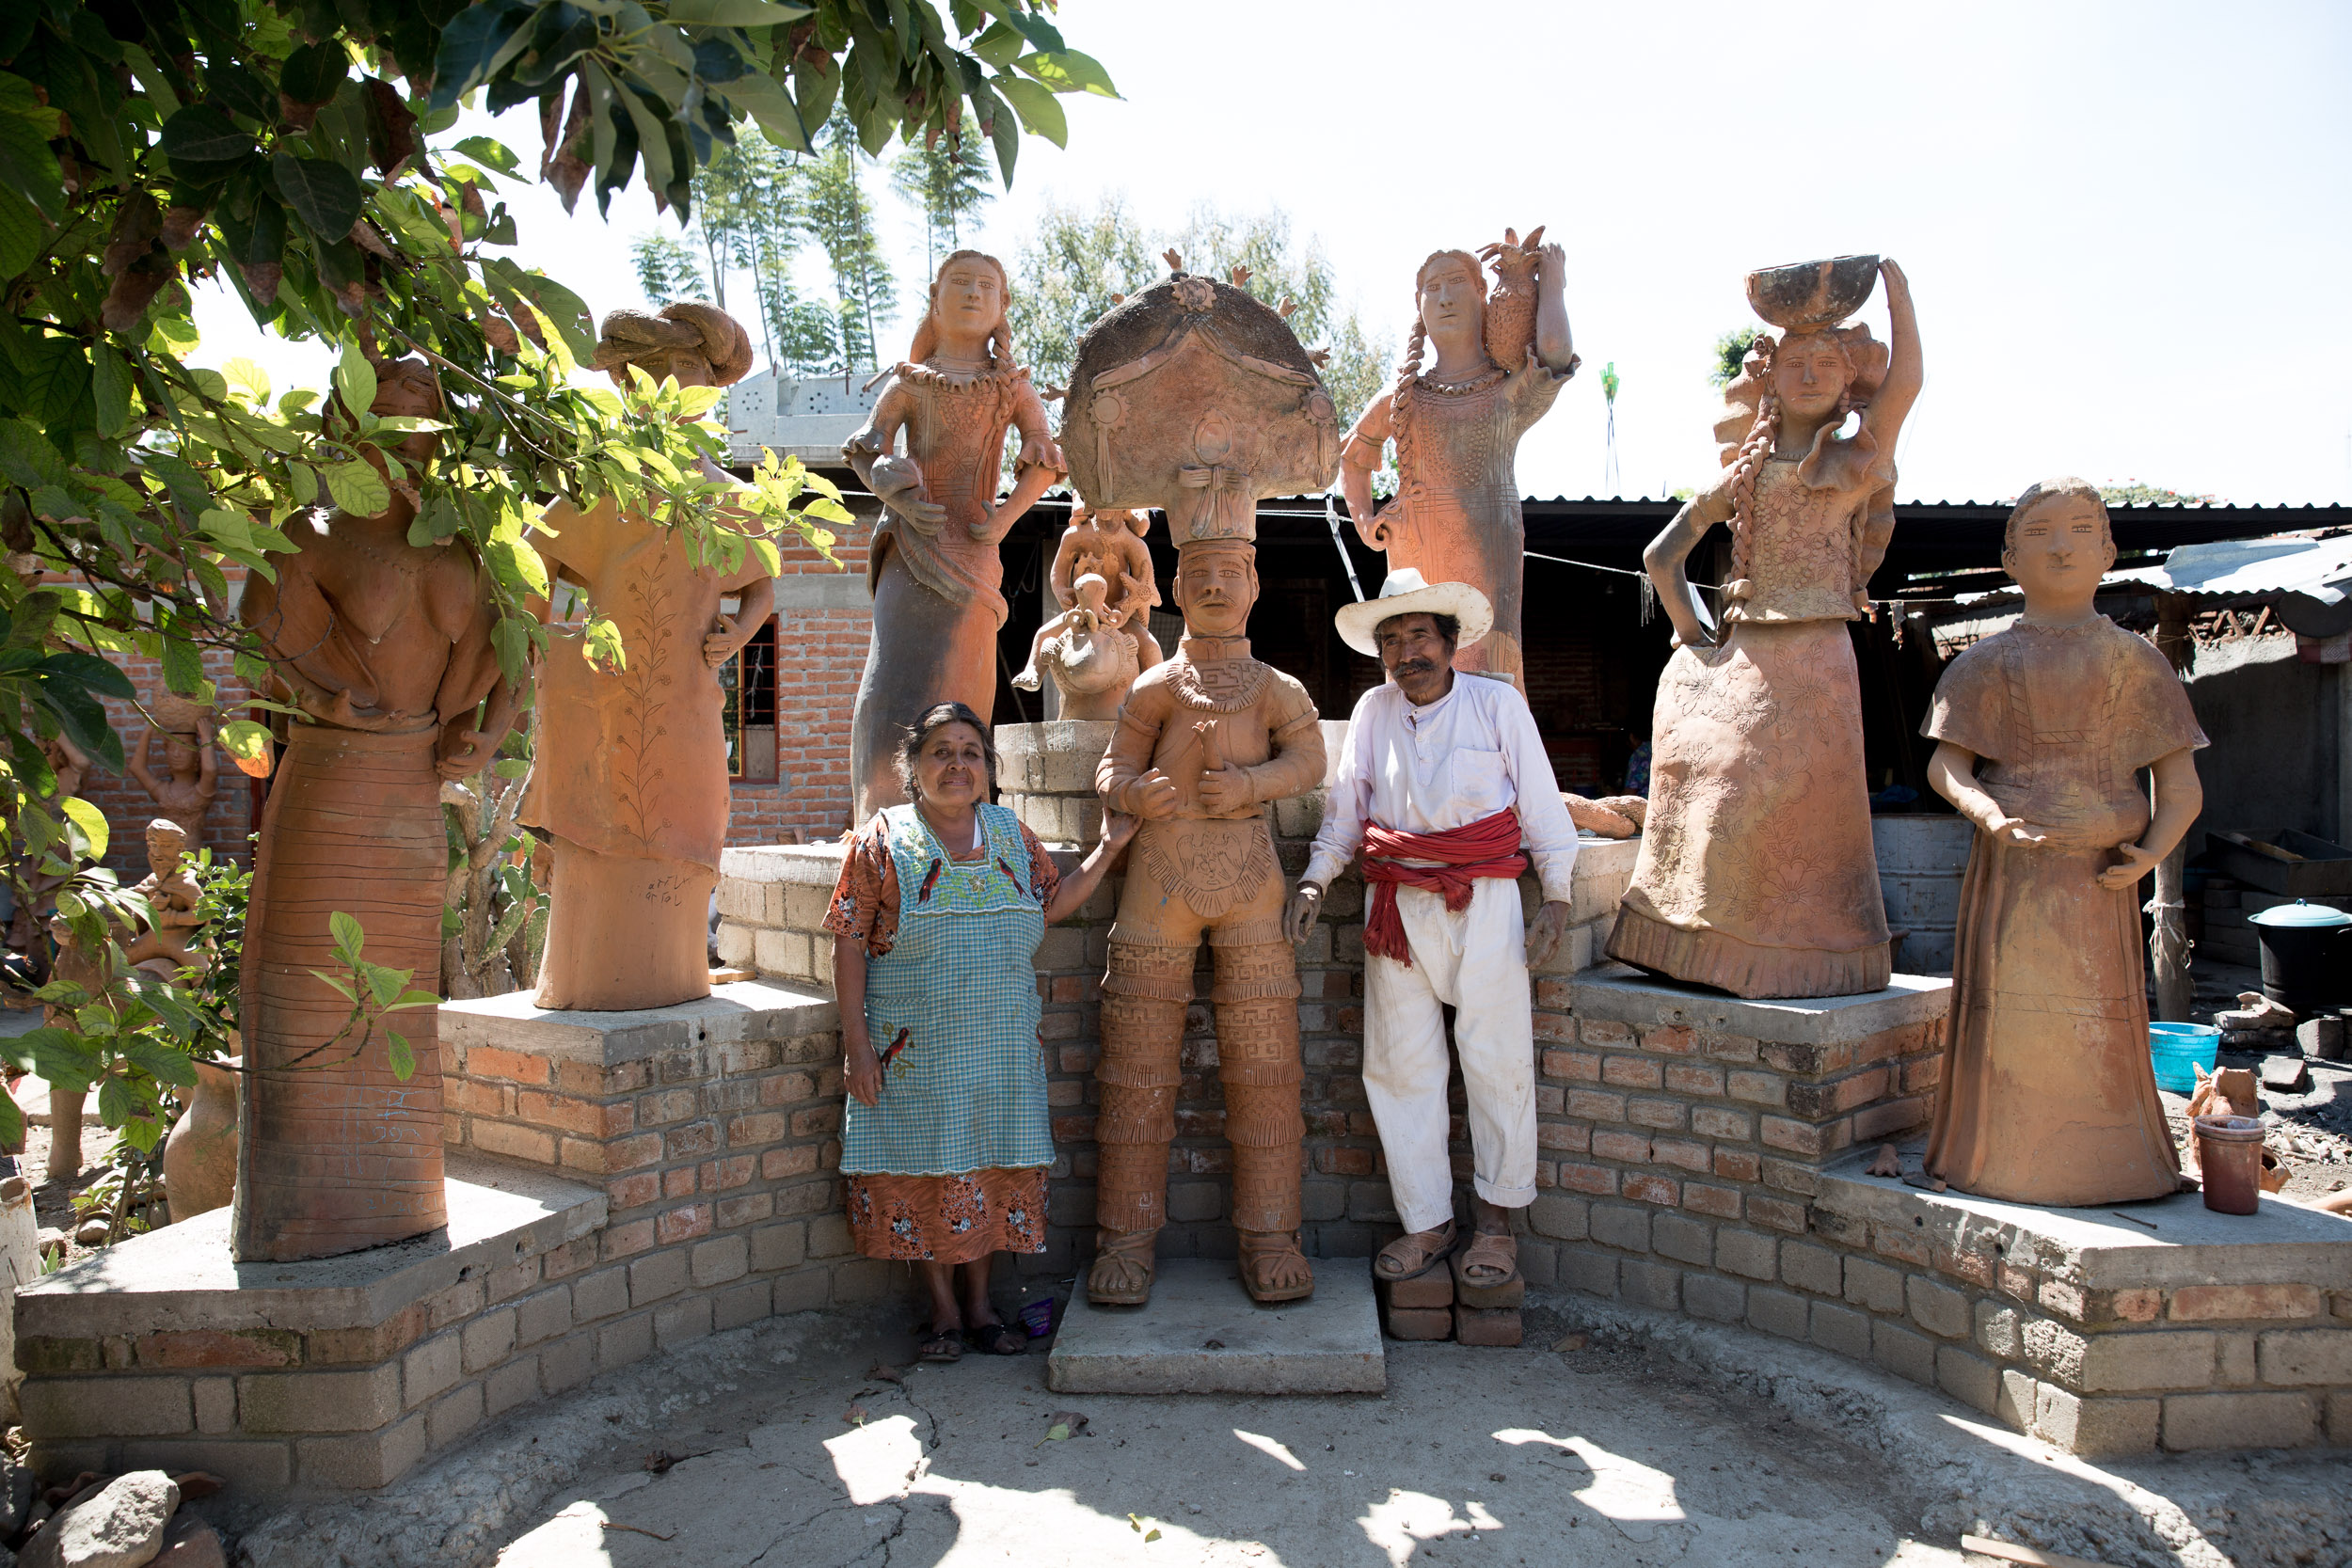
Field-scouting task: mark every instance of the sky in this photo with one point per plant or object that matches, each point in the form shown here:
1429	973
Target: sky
2124	225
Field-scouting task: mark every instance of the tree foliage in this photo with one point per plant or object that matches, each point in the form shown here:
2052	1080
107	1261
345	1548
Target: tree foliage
946	181
838	215
1731	352
2133	493
296	153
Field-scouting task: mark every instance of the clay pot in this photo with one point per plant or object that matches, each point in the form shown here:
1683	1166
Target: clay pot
1807	295
2229	1152
200	1156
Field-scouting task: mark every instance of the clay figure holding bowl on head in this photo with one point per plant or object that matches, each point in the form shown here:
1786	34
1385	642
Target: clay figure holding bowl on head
934	565
2042	732
1756	873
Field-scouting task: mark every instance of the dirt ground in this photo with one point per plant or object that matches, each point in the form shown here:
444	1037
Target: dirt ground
2312	1131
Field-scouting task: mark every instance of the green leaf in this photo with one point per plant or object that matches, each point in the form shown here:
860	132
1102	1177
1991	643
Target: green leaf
183	666
734	13
312	73
349	938
471	45
248	377
483	150
203	134
110	381
511	639
162	1063
323	194
404	1058
12	1121
354	378
358	488
21	234
113	1102
245	741
337	986
1067	70
91	820
26	127
1036	107
384	984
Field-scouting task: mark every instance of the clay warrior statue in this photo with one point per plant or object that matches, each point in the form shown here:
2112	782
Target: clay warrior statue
2047	1094
386	646
1194	396
933	566
1756	873
190	776
630	785
1500	365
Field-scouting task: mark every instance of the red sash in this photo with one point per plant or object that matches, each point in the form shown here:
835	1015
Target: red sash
1489	847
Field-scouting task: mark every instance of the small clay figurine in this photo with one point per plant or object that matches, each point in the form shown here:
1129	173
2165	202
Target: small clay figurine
2048	1095
1500	367
1756	873
1109	542
172	938
630	786
190	779
386	645
1092	653
933	566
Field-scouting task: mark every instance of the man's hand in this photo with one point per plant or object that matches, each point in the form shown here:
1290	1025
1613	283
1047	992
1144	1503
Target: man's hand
1152	797
1543	937
1298	915
2136	862
1226	789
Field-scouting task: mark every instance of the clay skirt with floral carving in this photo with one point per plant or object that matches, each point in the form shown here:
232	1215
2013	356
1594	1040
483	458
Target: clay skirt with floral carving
949	1219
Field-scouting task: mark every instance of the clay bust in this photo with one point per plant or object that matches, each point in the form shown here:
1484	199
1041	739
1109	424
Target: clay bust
386	646
190	779
1093	651
1756	873
933	566
2048	1095
630	785
1501	363
174	932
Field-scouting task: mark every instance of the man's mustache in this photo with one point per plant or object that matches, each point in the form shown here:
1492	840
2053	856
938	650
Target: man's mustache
1414	666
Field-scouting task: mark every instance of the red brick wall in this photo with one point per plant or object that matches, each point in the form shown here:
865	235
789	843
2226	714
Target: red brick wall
128	807
819	654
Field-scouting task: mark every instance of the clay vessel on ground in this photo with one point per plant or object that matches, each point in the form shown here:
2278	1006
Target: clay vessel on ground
200	1155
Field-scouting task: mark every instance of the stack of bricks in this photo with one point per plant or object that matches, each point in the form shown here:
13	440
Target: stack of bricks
1442	1303
712	1129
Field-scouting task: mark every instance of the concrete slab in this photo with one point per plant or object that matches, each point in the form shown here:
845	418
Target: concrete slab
805	864
2173	1242
738	1010
182	1277
1201	1334
1620	993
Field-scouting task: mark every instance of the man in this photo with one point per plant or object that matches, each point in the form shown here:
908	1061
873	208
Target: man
1444	779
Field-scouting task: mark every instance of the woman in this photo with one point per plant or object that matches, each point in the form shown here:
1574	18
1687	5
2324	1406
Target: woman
936	920
630	786
933	567
1457	429
1756	873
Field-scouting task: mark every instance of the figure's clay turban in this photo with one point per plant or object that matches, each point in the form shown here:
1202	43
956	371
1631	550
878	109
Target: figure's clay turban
629	336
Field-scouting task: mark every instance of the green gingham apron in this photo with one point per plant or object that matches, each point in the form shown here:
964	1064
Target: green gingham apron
952	1010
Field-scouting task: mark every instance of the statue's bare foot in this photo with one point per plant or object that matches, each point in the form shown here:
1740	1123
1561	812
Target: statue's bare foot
1272	1267
1122	1276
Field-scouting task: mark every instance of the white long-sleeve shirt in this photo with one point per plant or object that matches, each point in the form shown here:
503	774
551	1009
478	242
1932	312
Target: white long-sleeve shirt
1427	769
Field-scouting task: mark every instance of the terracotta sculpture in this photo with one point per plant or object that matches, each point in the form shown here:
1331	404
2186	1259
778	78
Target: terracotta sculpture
190	777
933	566
76	967
1194	396
630	785
1094	652
1756	873
200	1156
386	646
174	932
2048	1096
1109	543
1500	365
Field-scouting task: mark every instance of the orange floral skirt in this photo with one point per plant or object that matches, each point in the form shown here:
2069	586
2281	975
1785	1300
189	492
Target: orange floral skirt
949	1219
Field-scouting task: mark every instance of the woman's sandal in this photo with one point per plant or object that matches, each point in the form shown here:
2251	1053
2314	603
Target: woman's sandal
1491	1259
999	1340
1411	1256
945	1345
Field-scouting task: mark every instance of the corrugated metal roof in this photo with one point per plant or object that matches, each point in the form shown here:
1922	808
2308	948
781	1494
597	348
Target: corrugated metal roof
2235	568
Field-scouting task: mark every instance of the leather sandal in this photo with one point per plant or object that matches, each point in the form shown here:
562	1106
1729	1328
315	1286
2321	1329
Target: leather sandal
1262	1252
1123	1268
1411	1256
1491	1259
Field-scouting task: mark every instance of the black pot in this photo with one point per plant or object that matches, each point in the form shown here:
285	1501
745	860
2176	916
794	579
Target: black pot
2306	956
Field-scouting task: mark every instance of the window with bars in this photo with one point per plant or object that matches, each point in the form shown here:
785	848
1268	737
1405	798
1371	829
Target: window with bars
747	693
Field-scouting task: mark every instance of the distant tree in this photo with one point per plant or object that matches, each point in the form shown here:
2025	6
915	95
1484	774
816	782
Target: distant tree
1731	350
2133	493
666	270
1065	277
946	180
840	217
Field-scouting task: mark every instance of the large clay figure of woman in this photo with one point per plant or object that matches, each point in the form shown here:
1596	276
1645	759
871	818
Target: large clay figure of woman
1756	873
933	566
2048	1096
386	646
630	785
1457	429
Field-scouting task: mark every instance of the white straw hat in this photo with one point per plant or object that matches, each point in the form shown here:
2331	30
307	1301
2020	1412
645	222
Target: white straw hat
1406	594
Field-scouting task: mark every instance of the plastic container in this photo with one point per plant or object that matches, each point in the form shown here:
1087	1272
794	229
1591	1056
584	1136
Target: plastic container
2177	1050
2229	1155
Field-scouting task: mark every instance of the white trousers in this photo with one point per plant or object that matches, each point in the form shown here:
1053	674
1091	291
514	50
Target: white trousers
1476	962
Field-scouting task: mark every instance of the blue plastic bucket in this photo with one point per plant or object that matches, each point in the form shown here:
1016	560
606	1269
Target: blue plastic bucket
2177	1050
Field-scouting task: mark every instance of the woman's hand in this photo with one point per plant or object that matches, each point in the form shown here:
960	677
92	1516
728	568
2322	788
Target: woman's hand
722	640
1898	286
1118	828
2136	862
864	1070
